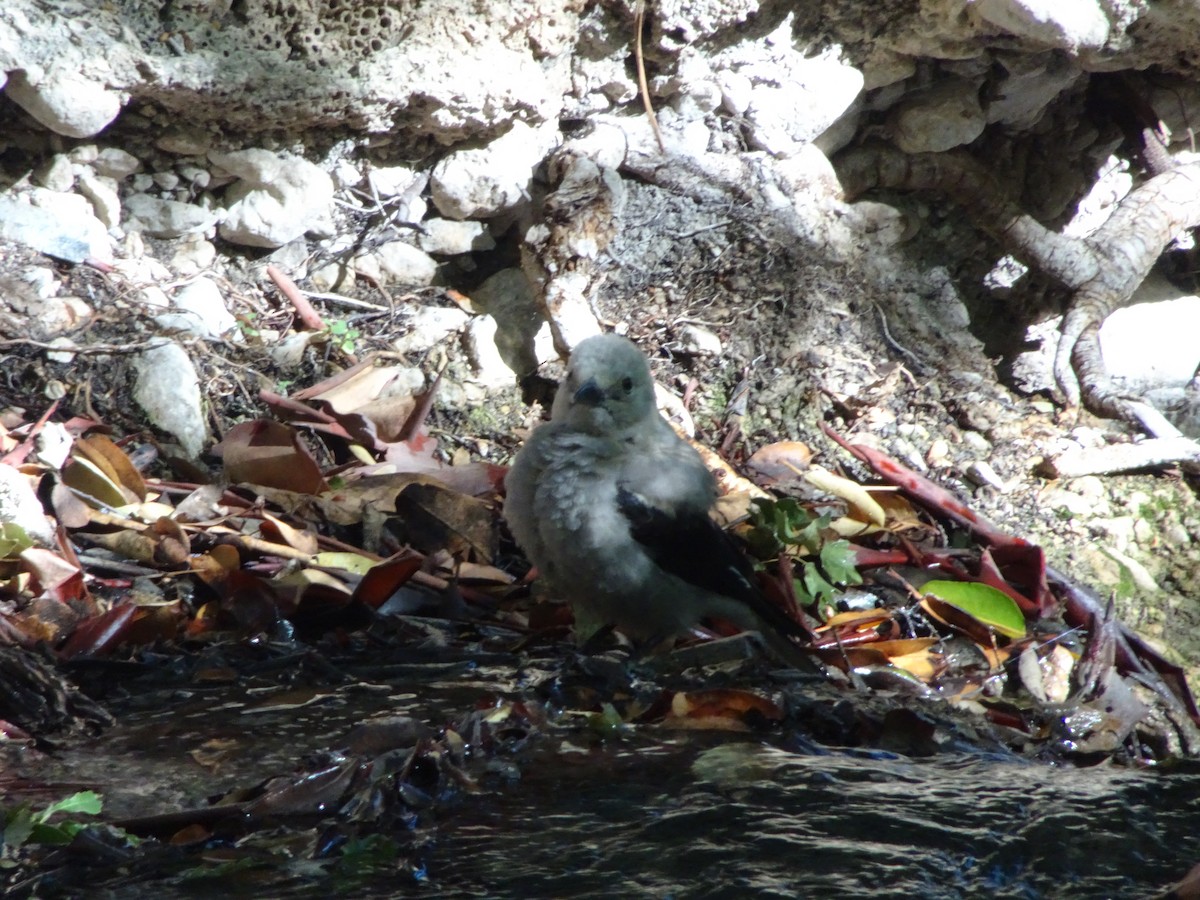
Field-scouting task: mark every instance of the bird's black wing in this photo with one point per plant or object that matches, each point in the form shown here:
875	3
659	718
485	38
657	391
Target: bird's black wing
694	548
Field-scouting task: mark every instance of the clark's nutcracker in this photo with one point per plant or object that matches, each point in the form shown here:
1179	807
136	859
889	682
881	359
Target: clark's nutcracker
612	506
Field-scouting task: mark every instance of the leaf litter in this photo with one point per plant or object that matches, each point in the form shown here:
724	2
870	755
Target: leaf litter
338	541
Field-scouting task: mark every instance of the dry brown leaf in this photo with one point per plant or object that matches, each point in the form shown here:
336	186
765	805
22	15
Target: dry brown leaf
113	462
431	517
779	463
275	529
93	485
267	453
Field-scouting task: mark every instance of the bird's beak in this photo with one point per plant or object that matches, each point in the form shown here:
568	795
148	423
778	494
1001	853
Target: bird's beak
589	393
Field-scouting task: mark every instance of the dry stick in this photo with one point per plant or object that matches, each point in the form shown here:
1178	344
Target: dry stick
639	21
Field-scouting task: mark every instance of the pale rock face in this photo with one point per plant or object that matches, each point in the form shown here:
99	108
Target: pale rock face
397	262
201	310
166	218
277	199
939	118
448	237
1064	24
478	184
64	101
429	326
168	389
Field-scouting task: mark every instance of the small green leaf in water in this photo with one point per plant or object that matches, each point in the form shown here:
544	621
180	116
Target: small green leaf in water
86	802
607	723
989	605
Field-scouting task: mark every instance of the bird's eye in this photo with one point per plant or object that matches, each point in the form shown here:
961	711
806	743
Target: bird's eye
627	385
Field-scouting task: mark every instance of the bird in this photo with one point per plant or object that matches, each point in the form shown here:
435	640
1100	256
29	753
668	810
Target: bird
613	509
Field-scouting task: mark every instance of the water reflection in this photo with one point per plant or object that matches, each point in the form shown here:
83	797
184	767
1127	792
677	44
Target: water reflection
742	820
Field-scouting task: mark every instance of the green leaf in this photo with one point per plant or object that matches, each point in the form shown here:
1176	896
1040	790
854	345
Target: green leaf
837	559
989	605
17	827
815	584
607	722
14	540
86	802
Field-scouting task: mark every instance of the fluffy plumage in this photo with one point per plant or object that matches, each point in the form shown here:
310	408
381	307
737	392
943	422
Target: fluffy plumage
612	506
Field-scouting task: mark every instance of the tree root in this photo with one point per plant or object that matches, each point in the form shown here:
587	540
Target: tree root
1102	270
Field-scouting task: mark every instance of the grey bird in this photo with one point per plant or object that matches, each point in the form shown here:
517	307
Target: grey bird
612	506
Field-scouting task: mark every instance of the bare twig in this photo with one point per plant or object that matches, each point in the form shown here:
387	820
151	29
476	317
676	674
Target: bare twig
639	21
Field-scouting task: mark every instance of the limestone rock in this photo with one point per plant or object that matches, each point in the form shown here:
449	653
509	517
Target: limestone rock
397	262
938	118
169	391
477	184
276	200
200	309
448	237
1064	24
166	218
64	101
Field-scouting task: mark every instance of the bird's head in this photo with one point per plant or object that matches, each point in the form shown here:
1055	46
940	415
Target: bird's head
608	386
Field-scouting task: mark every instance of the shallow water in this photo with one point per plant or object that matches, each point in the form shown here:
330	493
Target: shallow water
744	820
663	814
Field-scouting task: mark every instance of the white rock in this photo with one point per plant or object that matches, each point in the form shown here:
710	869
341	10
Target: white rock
883	67
429	326
113	162
193	254
1031	84
482	183
395	181
143	275
736	91
1064	24
332	277
166	180
448	237
799	108
195	177
166	218
289	352
938	118
397	263
84	154
61	225
20	505
604	144
1152	342
699	341
202	310
102	193
42	281
169	391
489	366
277	199
253	164
345	174
64	350
509	298
63	100
56	175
